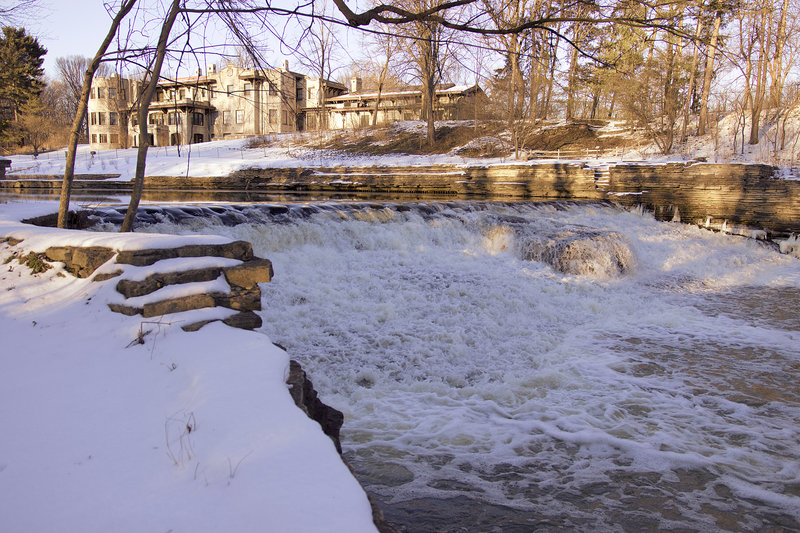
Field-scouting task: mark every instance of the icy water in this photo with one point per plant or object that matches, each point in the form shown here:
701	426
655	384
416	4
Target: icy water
547	367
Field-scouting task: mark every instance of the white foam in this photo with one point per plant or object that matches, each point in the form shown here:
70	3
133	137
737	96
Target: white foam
452	354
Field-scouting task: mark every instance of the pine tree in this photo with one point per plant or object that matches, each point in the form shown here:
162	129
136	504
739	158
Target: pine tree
21	58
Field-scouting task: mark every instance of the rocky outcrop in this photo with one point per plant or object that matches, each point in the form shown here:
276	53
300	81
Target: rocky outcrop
306	398
243	279
711	194
80	261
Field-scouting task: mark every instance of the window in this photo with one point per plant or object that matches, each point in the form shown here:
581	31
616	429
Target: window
309	93
198	138
300	93
311	122
226	117
112	92
172	94
101	119
230	90
94	138
272	89
121	93
197	119
203	93
182	94
160	96
239	116
156	119
273	116
100	92
114	137
134	120
285	117
247	88
93	118
112	118
174	118
103	138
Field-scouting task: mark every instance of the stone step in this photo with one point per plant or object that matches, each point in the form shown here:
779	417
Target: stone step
239	299
247	275
241	250
242	320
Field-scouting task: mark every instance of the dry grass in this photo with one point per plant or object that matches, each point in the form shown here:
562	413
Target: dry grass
489	139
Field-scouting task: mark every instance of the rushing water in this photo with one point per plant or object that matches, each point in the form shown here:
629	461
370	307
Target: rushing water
549	367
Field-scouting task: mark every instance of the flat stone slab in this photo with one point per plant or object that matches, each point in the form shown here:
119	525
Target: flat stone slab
244	320
132	289
241	250
239	299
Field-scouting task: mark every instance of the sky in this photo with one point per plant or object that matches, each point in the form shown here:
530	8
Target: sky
65	28
77	27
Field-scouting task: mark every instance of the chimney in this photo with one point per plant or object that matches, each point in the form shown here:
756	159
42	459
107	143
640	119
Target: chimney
355	84
285	65
212	69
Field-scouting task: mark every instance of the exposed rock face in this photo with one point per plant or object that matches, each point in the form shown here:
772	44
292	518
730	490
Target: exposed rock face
81	262
75	220
242	320
249	274
600	254
244	295
331	420
241	250
305	397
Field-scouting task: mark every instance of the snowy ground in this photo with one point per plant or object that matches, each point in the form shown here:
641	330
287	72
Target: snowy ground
779	146
186	432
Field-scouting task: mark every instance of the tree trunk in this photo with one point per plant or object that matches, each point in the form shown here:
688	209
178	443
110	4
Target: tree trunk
761	83
80	114
692	80
776	87
709	73
572	81
144	108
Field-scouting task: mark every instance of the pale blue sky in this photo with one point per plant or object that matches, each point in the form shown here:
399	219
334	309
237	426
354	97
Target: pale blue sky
69	27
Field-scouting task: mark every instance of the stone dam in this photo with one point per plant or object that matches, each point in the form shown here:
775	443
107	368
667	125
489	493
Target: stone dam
730	197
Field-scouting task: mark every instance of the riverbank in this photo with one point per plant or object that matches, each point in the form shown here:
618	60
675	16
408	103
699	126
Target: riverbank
747	199
119	423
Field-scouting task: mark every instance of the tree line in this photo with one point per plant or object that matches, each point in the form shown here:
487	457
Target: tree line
667	67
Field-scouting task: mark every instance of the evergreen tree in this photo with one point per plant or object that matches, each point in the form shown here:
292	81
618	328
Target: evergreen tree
21	58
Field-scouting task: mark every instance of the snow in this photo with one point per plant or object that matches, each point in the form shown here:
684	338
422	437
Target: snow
185	432
220	158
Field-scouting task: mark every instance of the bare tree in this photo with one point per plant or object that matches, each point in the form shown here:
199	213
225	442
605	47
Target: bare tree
709	72
72	71
15	12
80	112
148	91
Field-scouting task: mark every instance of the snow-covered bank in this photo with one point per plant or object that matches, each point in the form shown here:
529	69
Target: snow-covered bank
186	432
778	147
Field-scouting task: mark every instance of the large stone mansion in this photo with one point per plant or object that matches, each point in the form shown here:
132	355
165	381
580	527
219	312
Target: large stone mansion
236	102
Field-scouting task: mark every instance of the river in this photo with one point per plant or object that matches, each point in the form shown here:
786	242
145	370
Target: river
540	366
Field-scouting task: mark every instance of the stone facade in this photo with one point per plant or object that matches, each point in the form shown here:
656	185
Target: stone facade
235	103
229	103
356	108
